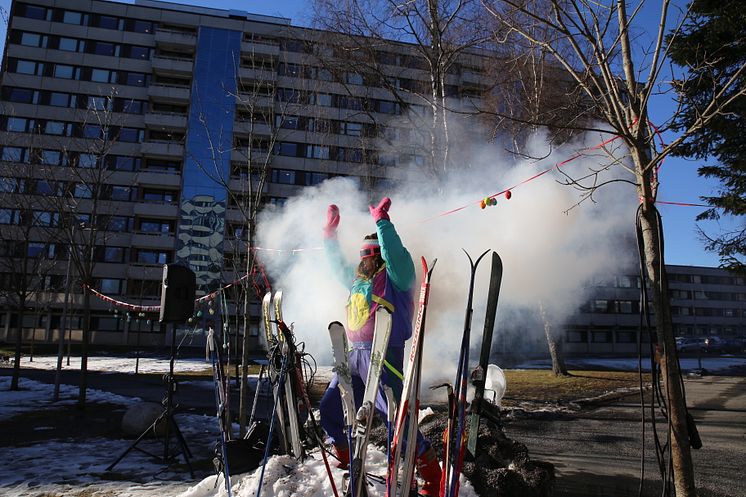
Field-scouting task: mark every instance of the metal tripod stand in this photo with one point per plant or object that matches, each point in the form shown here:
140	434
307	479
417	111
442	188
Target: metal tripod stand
167	417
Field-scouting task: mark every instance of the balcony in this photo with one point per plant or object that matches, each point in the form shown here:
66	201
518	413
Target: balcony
246	128
149	178
169	94
259	48
241	155
170	150
247	74
168	38
246	100
172	66
153	240
170	121
142	272
156	209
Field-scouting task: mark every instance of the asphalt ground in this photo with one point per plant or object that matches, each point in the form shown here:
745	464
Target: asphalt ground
600	452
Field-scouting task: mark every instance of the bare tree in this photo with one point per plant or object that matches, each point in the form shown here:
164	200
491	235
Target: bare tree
26	252
555	346
83	206
373	40
620	85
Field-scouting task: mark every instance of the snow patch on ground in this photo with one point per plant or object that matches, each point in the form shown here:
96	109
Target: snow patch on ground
69	467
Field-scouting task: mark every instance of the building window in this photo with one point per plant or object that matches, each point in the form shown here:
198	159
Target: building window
82	191
101	76
353	129
142	53
626	337
152	257
600	336
56	128
70	45
318	152
13	154
110	286
113	254
576	336
61	100
283	176
33	40
64	71
315	178
69	17
130	135
135	79
33	12
19	124
29	67
122	193
51	157
107	22
103	48
288	149
21	95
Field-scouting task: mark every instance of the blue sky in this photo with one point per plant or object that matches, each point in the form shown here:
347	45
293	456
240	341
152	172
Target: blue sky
679	179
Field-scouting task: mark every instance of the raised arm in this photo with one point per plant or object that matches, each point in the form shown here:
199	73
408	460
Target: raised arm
399	263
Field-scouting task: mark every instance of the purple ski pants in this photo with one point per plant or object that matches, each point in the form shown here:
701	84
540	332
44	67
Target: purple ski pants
332	416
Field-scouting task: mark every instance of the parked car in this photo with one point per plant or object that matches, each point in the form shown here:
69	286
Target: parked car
718	345
695	344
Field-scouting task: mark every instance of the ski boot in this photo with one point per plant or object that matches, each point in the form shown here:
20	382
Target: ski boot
429	470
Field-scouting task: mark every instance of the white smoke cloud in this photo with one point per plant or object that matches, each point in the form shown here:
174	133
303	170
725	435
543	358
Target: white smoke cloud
548	252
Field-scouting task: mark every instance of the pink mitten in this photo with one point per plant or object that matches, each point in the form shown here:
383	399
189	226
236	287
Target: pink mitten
332	221
382	210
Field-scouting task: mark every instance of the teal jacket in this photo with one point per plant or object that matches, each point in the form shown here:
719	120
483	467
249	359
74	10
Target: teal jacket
391	287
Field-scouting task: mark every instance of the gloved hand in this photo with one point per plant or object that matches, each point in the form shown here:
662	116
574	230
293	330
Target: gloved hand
381	211
332	221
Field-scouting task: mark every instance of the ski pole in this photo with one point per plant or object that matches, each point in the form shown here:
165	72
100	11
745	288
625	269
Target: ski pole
281	382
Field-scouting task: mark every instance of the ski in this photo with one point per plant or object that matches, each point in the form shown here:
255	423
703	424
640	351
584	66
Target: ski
223	415
267	319
289	399
340	349
276	407
364	415
478	375
453	459
297	374
408	413
274	357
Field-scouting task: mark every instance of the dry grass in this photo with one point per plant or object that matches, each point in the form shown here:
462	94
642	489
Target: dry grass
542	385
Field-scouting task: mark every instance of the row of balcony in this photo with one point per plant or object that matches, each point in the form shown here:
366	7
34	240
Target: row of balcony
168	38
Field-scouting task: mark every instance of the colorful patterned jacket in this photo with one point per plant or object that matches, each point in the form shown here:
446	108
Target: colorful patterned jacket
391	287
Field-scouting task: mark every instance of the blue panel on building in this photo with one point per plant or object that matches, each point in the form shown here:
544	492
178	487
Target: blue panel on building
207	155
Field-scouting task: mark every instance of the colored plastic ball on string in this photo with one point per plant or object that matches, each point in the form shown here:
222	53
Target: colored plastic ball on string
482	205
508	194
190	320
493	201
211	310
148	322
199	314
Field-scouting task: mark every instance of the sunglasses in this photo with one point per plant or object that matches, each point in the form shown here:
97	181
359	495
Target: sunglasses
369	252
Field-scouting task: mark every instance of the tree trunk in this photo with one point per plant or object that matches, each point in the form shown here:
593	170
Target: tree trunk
681	457
19	342
243	403
555	346
83	384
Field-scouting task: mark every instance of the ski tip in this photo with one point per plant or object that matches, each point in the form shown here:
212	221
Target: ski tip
334	323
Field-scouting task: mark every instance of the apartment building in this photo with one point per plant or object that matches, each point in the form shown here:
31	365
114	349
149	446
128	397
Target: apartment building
705	301
144	126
